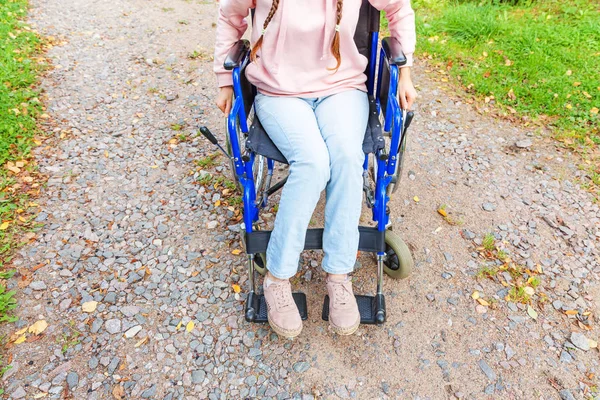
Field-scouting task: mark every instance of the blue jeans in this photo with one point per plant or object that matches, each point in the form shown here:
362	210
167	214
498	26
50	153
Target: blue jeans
322	141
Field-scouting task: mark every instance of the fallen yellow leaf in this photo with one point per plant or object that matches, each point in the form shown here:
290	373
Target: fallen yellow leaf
20	339
442	212
190	326
4	226
482	302
179	325
89	306
529	290
236	288
21	331
475	295
416	199
571	312
594	110
593	344
236	252
532	313
39	327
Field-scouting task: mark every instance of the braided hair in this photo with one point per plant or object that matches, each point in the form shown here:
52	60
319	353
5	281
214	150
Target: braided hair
335	44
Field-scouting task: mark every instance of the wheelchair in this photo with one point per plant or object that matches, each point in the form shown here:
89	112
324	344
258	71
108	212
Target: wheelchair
384	147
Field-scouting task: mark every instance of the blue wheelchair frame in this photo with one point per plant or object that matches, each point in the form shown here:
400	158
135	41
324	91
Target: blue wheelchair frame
387	161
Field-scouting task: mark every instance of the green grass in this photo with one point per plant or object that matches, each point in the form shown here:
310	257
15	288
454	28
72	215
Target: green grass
19	109
488	242
537	60
19	105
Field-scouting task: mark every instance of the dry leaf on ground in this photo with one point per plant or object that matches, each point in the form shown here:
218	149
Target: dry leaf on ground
39	327
89	306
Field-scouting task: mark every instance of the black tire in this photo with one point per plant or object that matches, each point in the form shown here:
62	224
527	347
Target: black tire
260	263
398	262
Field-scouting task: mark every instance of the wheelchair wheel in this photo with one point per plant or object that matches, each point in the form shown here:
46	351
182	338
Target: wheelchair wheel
398	262
260	263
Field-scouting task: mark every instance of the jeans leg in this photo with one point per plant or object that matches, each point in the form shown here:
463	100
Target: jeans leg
292	125
342	120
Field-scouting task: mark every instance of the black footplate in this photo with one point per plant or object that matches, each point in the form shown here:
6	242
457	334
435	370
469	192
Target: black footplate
371	308
256	307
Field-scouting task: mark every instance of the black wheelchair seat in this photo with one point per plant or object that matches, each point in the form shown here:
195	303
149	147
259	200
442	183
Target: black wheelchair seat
260	143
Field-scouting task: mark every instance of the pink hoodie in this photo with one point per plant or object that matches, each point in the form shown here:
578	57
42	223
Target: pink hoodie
296	50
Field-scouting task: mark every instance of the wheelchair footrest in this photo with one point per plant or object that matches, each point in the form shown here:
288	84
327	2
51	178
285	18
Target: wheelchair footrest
256	307
371	308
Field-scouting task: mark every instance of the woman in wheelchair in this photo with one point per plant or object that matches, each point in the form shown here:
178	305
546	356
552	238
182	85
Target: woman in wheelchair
312	101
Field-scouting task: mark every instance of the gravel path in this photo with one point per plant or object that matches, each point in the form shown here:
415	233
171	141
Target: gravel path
134	270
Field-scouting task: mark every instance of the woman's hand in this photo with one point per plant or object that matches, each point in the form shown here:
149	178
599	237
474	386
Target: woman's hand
224	99
406	90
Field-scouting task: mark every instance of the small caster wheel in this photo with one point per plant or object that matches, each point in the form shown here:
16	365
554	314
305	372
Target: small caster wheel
398	262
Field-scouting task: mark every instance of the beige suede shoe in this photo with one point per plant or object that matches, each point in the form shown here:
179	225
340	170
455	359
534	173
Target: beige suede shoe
344	317
283	313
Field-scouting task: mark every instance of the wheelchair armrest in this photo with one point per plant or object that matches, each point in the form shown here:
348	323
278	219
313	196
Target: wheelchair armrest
236	54
393	51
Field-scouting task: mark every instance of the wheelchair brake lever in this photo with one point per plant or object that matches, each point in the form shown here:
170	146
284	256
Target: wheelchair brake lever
211	138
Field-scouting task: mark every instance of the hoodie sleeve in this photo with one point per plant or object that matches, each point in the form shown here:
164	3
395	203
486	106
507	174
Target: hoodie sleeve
401	19
231	26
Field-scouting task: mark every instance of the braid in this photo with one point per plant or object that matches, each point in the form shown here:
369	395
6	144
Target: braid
335	44
259	42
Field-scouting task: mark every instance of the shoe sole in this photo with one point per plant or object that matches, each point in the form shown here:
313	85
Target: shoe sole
286	333
345	331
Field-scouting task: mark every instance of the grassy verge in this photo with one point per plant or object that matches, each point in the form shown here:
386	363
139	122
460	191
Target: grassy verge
19	110
534	60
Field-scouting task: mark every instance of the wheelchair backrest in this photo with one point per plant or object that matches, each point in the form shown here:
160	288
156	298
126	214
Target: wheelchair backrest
368	23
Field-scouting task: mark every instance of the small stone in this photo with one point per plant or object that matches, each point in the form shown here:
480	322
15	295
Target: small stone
489	206
430	297
489	389
38	285
111	297
113	326
301	366
385	387
150	392
212	224
250	380
565	357
448	256
198	376
468	234
72	379
131	332
485	368
19	393
579	340
93	362
566	394
523	144
480	309
509	352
